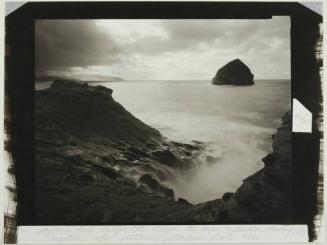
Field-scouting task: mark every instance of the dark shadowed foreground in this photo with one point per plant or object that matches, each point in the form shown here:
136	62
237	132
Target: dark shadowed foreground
96	164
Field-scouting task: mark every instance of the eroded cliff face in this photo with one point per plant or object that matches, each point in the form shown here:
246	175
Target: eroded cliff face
234	73
98	164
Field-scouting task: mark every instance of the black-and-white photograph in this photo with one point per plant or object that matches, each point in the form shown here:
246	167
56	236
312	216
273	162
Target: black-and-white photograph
171	121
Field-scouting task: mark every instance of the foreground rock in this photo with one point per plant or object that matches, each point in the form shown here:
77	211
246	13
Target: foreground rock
234	73
98	164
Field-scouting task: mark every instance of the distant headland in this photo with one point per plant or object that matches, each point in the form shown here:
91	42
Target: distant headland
50	78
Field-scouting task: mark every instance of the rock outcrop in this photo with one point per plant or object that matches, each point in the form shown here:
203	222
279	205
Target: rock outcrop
150	182
95	163
234	73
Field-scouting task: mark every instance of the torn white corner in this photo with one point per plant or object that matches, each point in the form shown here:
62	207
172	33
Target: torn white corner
302	118
12	6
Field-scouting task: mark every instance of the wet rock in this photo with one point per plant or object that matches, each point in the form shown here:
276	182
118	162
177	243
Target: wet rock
123	161
109	172
149	181
130	156
167	192
136	151
165	157
155	186
155	170
108	159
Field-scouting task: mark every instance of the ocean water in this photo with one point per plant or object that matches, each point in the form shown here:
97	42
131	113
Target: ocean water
235	122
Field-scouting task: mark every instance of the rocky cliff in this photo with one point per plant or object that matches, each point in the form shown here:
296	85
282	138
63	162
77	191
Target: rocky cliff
98	164
234	73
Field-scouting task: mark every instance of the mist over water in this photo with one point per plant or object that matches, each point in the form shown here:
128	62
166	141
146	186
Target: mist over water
235	122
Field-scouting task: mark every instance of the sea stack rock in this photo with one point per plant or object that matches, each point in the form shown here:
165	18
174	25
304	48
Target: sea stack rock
234	73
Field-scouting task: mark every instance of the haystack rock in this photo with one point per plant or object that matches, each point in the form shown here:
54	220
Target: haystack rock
234	73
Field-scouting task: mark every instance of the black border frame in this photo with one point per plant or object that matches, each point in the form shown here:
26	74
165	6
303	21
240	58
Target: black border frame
19	81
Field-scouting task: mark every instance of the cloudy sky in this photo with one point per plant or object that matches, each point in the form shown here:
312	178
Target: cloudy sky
161	49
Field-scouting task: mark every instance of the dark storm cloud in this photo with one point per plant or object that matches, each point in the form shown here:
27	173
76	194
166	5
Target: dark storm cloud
61	44
161	49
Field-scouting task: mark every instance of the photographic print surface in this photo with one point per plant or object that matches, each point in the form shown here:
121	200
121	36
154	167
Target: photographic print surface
163	121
